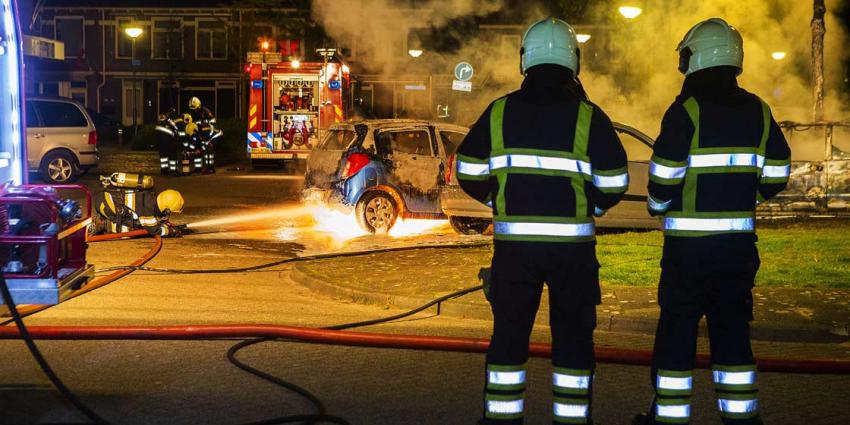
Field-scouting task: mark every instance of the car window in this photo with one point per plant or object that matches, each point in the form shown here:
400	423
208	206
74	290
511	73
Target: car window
32	118
337	140
636	149
61	114
451	140
414	142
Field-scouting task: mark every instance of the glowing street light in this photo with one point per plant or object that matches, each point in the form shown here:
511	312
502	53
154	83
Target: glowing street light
778	55
582	38
264	46
630	12
415	53
133	32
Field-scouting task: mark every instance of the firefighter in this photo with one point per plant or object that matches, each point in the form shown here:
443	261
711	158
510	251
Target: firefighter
720	153
167	143
547	160
123	209
207	132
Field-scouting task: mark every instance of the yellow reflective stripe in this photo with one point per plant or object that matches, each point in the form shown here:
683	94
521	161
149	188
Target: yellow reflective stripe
497	115
108	197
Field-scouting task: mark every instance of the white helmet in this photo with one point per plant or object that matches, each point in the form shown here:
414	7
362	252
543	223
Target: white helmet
711	43
550	41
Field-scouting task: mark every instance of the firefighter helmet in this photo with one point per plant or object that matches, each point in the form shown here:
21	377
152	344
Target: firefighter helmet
194	103
170	200
711	43
550	41
191	128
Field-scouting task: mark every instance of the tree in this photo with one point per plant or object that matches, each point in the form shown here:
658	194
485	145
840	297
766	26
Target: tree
818	32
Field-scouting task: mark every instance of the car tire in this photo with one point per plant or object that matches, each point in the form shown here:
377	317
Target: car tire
376	212
58	167
469	225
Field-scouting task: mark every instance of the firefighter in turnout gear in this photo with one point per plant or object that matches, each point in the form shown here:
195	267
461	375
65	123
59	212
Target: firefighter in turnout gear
547	160
168	143
129	203
207	133
720	153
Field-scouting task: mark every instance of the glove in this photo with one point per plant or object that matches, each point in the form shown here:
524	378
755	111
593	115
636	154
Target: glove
170	230
484	275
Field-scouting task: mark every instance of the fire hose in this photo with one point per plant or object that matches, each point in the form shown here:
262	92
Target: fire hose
334	335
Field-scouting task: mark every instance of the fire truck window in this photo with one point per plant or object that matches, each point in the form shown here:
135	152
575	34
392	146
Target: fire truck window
636	150
337	140
451	141
61	114
414	142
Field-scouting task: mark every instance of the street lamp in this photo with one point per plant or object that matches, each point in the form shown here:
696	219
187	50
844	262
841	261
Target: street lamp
582	38
134	33
630	12
415	53
778	55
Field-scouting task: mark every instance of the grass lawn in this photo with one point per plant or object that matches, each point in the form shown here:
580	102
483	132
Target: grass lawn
794	254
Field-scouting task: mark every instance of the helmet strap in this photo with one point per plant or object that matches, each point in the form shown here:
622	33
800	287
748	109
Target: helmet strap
685	59
578	62
521	60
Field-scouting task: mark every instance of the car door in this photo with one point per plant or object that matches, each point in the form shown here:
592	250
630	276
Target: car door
631	211
415	167
36	136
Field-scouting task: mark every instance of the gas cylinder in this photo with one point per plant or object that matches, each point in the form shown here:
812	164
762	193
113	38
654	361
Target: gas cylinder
131	180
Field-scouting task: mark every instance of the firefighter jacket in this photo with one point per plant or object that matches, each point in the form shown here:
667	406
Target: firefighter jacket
127	209
546	159
719	154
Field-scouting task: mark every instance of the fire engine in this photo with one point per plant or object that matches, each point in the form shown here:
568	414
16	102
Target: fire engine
291	104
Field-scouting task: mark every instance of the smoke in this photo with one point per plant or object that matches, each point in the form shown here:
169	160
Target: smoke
628	67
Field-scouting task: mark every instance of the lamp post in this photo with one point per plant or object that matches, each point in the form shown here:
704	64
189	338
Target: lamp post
134	33
630	12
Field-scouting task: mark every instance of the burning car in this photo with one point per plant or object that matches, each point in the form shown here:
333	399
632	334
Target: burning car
468	216
382	170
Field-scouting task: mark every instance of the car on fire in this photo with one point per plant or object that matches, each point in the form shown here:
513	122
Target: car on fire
468	216
385	169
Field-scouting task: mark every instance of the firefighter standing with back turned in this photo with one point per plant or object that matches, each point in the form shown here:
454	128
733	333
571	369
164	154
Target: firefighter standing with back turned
547	160
205	121
719	154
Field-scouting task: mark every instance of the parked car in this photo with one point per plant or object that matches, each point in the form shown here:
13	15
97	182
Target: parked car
381	170
61	139
106	127
468	216
385	169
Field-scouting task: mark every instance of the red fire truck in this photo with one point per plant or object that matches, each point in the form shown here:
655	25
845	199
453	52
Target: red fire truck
291	104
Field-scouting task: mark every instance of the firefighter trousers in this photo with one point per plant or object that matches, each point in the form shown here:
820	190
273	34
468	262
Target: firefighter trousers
519	270
709	276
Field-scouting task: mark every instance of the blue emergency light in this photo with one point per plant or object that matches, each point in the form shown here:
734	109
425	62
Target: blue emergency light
334	85
12	142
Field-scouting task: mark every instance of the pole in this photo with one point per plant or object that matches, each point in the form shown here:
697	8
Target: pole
135	101
818	32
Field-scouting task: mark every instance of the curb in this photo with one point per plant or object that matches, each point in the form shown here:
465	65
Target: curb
605	322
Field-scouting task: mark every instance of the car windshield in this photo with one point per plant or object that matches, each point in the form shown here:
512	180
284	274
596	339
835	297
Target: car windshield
338	139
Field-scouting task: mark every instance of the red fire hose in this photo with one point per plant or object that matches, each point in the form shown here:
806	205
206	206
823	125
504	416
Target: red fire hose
376	340
114	236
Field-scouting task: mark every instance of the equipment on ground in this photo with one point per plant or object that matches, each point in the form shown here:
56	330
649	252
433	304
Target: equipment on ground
550	41
711	43
43	242
292	105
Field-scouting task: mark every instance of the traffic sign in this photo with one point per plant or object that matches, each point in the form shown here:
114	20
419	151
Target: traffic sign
464	71
462	85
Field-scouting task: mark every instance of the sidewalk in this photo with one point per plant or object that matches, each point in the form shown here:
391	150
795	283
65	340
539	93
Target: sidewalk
410	279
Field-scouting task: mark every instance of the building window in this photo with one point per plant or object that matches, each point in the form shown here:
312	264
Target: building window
79	92
70	31
293	48
167	39
211	40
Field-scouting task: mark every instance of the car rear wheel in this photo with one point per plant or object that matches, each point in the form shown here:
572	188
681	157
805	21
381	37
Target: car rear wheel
376	212
58	167
469	225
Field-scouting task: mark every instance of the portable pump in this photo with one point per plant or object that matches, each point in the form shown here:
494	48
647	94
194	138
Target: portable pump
43	242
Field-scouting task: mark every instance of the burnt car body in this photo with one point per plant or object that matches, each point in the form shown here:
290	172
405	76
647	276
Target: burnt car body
820	171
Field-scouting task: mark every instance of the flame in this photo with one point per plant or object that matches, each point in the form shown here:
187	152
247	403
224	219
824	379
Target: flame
315	221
